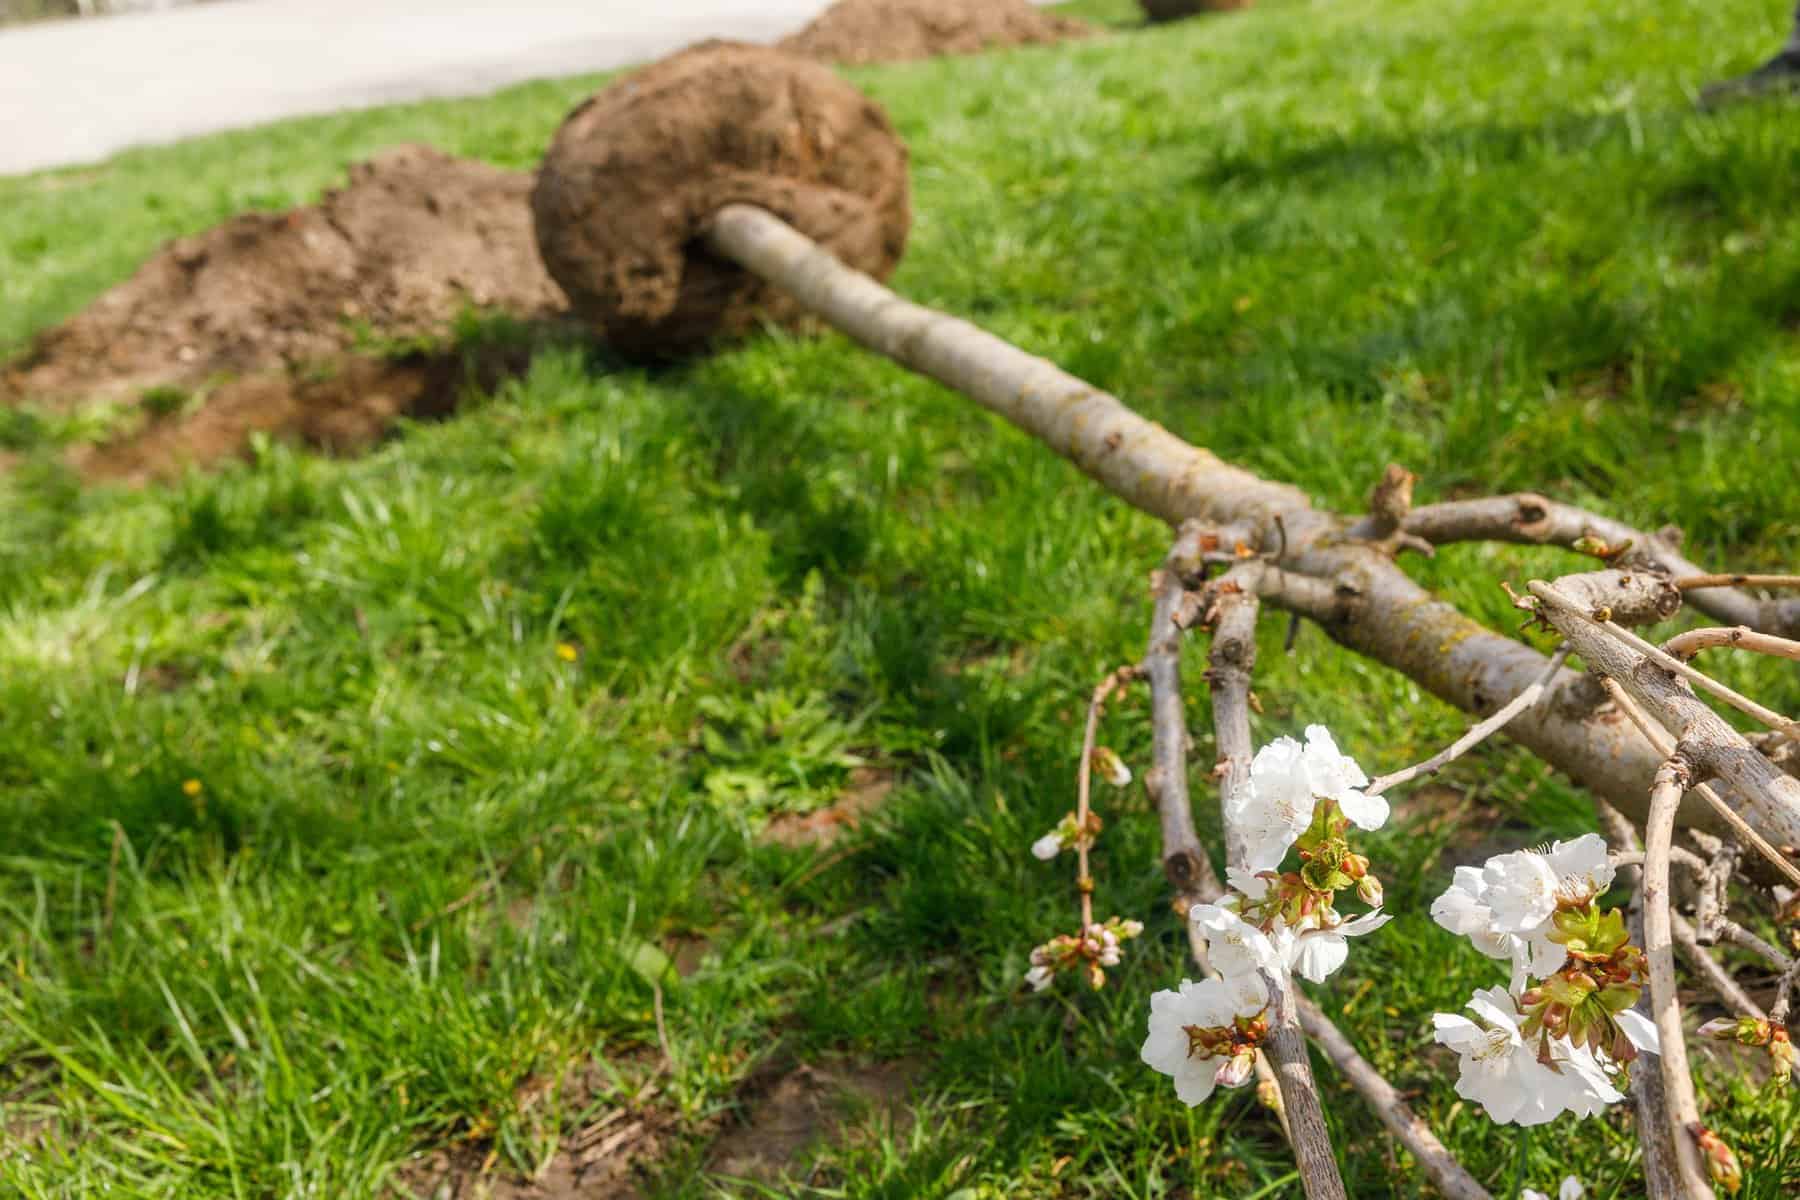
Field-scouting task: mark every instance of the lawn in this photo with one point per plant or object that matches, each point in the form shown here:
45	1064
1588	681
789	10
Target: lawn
352	804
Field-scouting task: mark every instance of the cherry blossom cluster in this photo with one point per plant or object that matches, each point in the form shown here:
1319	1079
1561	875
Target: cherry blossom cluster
1090	952
1096	946
1273	922
1562	1035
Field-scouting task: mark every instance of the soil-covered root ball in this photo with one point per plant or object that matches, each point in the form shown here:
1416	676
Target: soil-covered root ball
634	175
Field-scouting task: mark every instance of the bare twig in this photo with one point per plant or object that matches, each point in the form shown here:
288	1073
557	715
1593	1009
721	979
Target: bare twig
1678	1084
1478	732
1084	882
1717	977
1784	993
1734	637
1730	931
1531	519
1714	892
1655	1129
1669	662
1185	863
1699	582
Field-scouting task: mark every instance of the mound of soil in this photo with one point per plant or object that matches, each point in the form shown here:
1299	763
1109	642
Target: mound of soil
415	239
870	31
635	173
341	407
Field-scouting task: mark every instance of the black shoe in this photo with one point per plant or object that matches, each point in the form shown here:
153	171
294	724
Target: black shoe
1779	74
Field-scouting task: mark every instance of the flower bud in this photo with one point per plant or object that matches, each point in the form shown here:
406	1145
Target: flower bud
1745	1031
1039	977
1781	1054
1721	1161
1047	847
1269	1093
1236	1070
1111	767
1368	890
1130	929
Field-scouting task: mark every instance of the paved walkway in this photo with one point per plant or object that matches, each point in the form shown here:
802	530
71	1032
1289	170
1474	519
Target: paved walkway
76	91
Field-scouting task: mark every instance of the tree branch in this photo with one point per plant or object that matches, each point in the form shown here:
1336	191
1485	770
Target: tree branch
1685	645
1478	732
1231	659
1770	799
1185	863
1448	1175
1169	738
1672	1062
1084	882
1659	737
1527	518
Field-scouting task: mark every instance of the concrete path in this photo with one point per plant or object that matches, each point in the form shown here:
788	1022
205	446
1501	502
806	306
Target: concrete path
76	91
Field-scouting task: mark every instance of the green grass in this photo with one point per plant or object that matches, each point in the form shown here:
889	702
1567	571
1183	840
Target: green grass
1492	241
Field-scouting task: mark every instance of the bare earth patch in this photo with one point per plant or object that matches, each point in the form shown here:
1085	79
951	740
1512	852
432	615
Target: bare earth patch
804	1108
342	408
868	788
254	326
870	31
601	1158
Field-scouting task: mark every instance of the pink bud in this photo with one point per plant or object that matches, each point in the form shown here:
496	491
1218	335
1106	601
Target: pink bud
1236	1070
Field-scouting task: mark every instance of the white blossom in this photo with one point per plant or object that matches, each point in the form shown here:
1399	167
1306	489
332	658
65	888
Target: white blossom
1571	1189
1112	768
1235	946
1317	953
1505	907
1523	887
1039	977
1209	1004
1287	780
1048	846
1249	884
1641	1030
1501	1071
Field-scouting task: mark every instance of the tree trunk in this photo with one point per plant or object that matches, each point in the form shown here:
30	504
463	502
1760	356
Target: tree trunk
1370	605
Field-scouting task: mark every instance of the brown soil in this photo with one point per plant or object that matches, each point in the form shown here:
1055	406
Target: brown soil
342	407
807	1106
786	1111
869	31
868	789
634	174
601	1158
415	239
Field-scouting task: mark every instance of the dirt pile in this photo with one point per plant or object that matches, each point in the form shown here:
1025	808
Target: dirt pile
416	238
634	174
870	31
342	407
